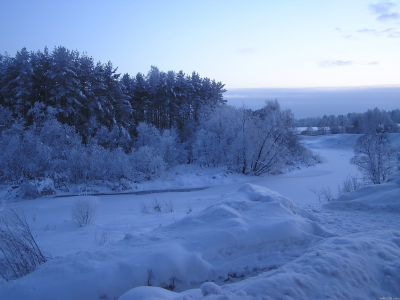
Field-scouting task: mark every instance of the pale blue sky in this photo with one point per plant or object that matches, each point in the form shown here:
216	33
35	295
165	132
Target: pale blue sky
244	44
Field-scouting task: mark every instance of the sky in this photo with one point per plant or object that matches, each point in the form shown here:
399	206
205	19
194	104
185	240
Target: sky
244	44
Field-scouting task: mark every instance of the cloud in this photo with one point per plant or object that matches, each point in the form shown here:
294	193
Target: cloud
372	31
388	17
349	37
345	35
334	63
246	50
382	8
386	32
394	35
344	63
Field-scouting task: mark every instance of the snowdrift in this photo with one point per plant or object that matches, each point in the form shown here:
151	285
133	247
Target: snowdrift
375	197
245	233
361	265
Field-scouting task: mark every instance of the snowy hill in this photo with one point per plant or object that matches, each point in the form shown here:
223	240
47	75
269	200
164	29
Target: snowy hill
375	197
233	241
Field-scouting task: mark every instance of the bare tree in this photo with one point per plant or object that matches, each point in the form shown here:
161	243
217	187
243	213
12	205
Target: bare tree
375	156
323	194
83	211
19	253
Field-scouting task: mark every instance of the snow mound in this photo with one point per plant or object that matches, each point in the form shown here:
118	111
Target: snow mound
351	267
248	228
148	293
250	216
384	196
262	194
245	233
208	288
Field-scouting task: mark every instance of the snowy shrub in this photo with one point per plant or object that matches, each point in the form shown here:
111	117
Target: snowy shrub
324	193
260	142
144	209
349	184
207	149
23	156
45	186
164	144
114	138
148	135
102	238
124	184
147	165
169	206
190	208
96	163
79	166
118	165
28	190
83	211
156	205
6	118
19	253
31	189
170	149
375	157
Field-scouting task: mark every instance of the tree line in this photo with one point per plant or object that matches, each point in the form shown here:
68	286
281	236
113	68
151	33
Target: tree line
370	121
65	120
94	98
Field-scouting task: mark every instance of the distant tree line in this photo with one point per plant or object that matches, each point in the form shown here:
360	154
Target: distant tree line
371	121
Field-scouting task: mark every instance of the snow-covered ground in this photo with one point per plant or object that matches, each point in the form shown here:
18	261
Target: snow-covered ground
241	238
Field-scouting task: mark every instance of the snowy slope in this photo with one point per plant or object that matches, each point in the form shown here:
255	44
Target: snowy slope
383	197
361	262
241	234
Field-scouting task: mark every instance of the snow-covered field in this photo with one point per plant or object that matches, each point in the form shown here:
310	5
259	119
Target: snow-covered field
241	238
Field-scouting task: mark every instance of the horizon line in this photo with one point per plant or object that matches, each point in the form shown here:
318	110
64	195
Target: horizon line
323	87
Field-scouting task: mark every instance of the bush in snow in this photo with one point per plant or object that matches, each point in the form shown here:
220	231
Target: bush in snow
27	189
349	184
83	211
19	253
45	186
323	194
148	135
97	163
156	205
169	206
164	144
147	165
144	209
23	155
31	189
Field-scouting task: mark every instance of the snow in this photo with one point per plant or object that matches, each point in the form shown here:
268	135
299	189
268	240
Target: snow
148	293
241	238
208	288
376	197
